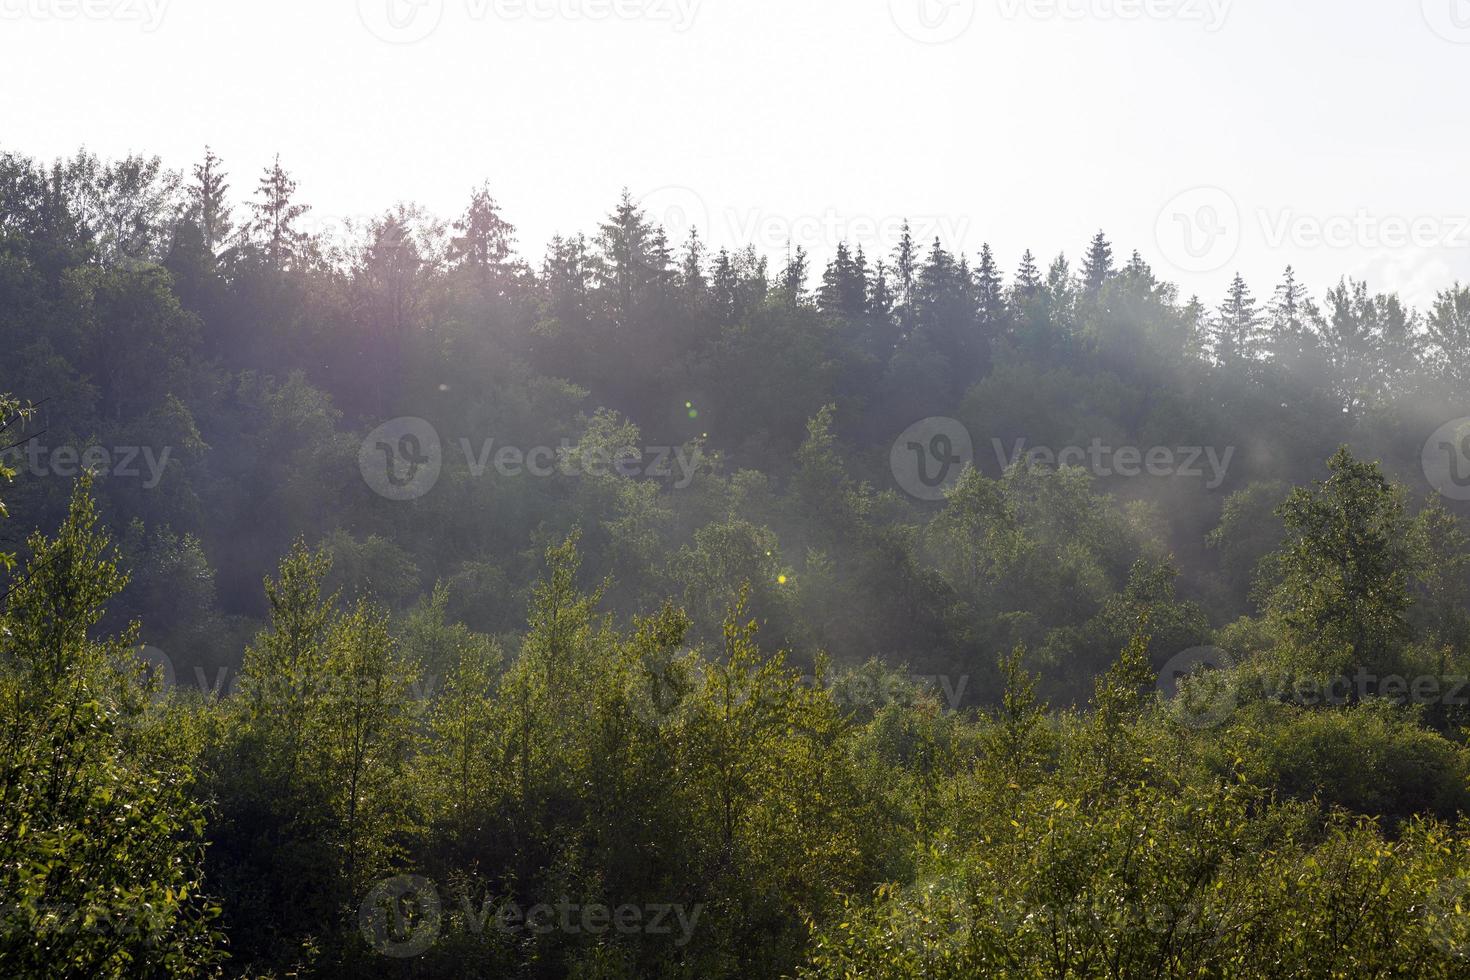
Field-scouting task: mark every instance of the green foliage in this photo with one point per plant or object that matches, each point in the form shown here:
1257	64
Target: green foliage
101	827
735	720
1344	570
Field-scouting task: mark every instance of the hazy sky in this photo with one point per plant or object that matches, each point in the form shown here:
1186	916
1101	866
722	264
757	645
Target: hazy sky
1210	135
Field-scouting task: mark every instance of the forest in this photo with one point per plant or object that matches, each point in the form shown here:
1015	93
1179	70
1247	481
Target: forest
381	601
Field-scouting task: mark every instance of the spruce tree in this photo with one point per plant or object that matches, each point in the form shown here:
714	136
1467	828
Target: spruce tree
207	205
275	215
1097	266
1236	330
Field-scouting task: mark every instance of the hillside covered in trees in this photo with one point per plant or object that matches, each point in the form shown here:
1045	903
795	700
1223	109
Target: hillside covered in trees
380	601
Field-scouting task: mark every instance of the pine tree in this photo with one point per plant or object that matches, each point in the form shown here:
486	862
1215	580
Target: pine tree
207	205
845	283
1028	278
691	268
905	278
990	298
1097	266
793	275
880	294
276	214
1237	328
724	284
628	260
484	239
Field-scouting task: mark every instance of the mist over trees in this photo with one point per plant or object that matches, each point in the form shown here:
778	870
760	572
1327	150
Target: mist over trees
317	673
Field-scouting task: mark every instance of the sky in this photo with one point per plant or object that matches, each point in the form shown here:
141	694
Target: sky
1212	136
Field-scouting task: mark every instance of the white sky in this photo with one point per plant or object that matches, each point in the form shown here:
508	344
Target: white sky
1035	123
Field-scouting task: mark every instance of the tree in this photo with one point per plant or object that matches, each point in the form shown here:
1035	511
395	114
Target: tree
1097	265
794	273
1448	329
101	830
845	286
209	208
483	241
1236	329
990	294
275	213
1028	279
905	271
1343	573
627	258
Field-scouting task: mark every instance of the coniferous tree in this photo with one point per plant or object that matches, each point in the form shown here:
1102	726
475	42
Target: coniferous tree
989	293
483	240
275	215
208	206
794	274
1097	265
905	279
1028	279
627	258
1236	329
